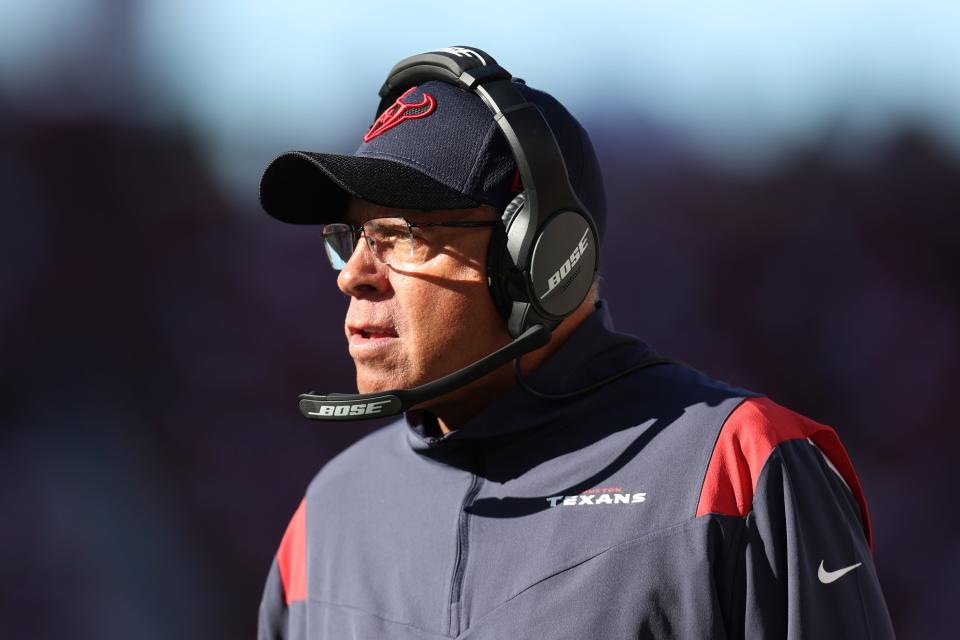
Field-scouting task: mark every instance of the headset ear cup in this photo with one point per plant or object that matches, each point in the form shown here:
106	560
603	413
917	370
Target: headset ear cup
499	265
514	207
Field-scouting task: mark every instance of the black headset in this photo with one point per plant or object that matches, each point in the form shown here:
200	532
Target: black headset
541	264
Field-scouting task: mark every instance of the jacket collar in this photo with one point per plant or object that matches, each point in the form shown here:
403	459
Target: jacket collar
592	352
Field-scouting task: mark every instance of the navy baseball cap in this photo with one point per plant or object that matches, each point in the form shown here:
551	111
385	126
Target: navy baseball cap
436	147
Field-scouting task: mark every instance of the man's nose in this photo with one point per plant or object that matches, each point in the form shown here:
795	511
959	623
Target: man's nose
363	274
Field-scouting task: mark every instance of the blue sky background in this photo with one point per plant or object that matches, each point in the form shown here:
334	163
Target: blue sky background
737	82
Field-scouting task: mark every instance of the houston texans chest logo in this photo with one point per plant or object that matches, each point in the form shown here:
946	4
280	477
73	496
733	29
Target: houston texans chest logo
401	111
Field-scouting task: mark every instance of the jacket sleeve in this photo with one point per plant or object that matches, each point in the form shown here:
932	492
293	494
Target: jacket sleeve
286	587
803	564
272	619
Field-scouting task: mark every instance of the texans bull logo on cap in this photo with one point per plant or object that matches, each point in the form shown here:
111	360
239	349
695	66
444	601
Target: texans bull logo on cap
401	111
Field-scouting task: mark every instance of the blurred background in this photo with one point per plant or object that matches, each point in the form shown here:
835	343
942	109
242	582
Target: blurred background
784	188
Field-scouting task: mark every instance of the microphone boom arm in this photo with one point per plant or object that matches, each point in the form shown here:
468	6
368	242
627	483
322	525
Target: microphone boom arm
365	406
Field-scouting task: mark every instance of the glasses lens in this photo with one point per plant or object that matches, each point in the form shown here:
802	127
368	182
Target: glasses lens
390	240
338	243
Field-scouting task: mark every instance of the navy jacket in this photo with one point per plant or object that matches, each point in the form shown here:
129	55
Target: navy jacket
663	505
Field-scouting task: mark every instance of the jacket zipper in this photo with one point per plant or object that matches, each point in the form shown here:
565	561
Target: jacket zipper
463	548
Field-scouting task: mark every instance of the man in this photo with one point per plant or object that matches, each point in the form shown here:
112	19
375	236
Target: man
594	490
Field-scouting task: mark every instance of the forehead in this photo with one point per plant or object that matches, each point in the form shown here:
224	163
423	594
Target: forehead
360	211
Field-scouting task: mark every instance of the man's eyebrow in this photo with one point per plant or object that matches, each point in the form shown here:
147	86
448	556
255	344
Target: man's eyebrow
357	220
415	213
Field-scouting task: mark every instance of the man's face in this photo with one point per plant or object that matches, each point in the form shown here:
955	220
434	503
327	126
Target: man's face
408	326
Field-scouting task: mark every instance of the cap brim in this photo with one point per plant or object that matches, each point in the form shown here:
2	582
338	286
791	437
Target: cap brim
302	187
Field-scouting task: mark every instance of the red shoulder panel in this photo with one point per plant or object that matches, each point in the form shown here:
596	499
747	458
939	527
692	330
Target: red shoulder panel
746	440
292	557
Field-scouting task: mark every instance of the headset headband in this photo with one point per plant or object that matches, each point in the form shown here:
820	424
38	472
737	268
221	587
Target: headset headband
545	180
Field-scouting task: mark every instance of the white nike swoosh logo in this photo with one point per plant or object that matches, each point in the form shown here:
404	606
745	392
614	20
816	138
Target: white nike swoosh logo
826	577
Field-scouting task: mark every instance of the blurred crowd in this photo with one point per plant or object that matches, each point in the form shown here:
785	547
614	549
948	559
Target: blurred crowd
155	331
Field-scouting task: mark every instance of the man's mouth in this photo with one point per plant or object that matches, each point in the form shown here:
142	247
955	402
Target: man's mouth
369	335
373	335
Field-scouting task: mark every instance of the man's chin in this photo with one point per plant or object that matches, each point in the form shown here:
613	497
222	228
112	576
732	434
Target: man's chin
374	383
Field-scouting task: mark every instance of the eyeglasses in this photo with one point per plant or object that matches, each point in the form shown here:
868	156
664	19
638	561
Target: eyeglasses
392	241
